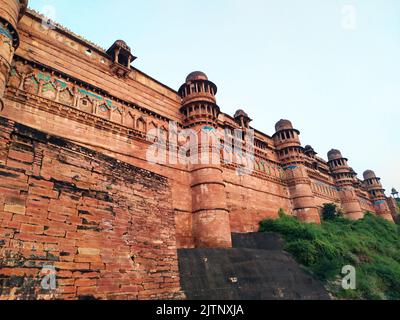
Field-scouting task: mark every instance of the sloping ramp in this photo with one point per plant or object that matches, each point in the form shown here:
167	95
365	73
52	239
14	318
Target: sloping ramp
256	268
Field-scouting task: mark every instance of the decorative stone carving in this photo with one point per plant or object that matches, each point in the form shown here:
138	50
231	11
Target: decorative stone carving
31	85
55	88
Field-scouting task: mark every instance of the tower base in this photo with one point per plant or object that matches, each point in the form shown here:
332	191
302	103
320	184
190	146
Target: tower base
212	229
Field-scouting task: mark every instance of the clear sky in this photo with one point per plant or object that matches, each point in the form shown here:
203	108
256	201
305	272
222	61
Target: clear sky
332	67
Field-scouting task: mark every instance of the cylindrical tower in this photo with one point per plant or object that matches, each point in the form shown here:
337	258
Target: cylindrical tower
199	105
11	11
211	225
375	189
345	178
395	193
291	154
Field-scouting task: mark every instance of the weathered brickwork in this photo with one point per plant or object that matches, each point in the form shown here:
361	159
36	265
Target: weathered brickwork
106	227
78	194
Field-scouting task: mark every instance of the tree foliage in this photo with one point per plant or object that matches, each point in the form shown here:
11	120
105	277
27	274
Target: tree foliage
330	211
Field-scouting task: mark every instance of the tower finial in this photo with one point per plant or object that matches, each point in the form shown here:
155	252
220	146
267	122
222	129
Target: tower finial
242	119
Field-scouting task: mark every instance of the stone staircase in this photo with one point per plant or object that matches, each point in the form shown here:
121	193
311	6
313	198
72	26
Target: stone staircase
256	268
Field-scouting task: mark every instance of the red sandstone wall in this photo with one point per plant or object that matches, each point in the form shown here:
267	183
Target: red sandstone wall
107	227
251	200
320	201
184	230
114	144
67	54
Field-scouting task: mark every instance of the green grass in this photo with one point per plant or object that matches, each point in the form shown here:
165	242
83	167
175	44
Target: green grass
371	245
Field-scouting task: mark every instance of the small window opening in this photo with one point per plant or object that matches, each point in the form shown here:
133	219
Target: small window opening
123	59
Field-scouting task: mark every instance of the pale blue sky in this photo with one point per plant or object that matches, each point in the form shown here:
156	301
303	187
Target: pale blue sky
275	59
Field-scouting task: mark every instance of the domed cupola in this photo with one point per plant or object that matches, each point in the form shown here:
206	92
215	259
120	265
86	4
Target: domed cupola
336	160
309	151
120	54
199	105
287	142
369	174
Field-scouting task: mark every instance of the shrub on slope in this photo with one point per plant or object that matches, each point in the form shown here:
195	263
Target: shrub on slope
371	245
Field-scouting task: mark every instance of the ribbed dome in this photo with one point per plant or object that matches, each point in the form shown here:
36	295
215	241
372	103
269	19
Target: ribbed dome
196	75
334	155
283	125
369	174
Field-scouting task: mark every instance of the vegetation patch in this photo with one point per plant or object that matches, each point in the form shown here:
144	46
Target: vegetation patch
370	245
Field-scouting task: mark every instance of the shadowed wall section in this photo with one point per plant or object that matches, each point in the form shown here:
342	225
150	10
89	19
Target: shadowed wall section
106	227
